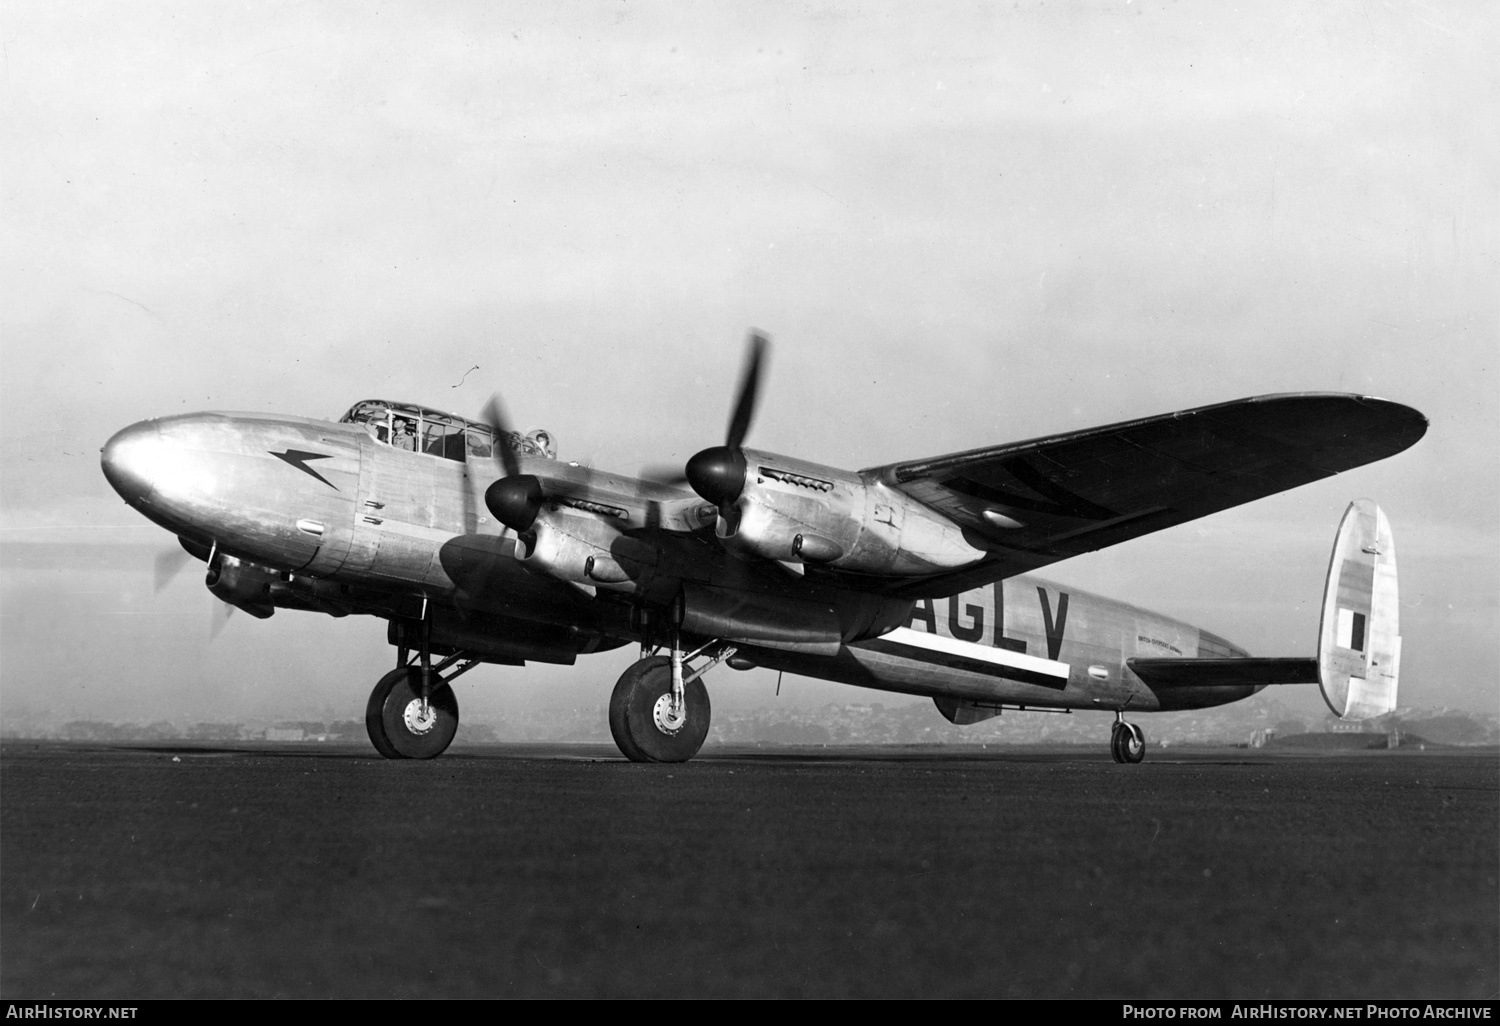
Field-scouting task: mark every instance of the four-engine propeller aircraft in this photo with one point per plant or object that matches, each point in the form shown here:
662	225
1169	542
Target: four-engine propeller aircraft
478	546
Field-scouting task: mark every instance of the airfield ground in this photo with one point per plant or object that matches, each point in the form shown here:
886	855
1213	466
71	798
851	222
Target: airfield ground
306	870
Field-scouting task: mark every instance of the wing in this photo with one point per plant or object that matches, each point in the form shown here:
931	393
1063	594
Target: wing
1048	499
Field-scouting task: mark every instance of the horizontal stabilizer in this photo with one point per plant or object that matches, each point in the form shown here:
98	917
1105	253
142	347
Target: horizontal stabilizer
1213	673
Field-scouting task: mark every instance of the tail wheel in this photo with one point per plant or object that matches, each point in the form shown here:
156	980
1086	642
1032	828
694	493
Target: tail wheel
400	727
641	719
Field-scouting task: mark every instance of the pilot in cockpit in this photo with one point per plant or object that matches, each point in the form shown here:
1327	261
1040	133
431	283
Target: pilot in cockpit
543	441
405	435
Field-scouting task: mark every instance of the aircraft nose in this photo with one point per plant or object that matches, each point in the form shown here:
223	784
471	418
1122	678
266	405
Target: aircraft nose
129	460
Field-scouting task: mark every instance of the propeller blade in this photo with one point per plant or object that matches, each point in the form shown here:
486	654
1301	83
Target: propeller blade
218	617
663	474
744	406
494	415
718	473
169	563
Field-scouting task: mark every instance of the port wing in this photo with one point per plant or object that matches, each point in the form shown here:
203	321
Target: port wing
1037	502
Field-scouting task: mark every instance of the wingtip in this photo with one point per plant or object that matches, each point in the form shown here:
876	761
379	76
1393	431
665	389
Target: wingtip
1413	420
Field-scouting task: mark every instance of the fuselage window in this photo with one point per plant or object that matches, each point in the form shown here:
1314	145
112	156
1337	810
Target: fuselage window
445	440
374	417
480	443
433	434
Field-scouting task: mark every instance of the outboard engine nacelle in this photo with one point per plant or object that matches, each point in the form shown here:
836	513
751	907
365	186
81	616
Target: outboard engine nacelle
786	509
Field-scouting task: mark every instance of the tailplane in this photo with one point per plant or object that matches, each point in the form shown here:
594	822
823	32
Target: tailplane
1359	636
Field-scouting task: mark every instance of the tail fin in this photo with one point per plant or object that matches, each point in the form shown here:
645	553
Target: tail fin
1359	639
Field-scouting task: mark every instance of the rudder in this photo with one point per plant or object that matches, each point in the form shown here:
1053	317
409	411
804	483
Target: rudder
1359	638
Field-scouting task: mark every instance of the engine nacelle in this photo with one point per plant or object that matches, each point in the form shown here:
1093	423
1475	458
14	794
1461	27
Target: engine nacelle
243	585
788	622
793	510
585	549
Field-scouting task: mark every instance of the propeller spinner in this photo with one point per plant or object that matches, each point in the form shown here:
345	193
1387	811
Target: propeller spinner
718	473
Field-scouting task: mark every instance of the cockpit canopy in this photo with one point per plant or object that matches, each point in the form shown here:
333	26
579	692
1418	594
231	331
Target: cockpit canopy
418	429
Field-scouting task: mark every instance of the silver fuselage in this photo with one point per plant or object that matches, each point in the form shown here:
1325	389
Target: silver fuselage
327	502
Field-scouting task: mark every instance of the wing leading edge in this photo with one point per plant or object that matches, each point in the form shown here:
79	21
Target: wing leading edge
1048	499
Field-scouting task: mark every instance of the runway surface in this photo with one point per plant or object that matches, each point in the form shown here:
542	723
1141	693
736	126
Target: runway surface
313	870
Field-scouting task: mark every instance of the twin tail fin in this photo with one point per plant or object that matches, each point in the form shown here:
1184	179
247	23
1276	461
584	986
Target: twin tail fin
1359	634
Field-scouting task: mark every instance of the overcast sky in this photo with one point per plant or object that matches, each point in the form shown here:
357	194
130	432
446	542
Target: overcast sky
961	227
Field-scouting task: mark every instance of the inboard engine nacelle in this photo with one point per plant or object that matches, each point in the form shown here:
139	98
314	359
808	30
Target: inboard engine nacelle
583	548
787	509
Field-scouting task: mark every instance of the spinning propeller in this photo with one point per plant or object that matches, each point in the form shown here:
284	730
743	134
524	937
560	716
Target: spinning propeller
718	473
515	498
170	563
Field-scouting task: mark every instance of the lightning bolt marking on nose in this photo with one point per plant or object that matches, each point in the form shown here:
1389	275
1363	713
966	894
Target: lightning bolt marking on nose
298	459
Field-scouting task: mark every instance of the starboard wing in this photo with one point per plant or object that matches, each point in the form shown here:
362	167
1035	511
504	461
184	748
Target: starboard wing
1040	501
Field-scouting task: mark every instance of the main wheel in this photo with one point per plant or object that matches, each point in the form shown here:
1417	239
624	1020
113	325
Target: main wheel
640	714
1132	744
398	726
1116	733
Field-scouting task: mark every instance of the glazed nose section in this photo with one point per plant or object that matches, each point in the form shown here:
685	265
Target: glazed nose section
130	459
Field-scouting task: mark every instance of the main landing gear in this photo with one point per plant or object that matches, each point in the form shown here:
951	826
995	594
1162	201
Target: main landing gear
658	712
1127	743
413	713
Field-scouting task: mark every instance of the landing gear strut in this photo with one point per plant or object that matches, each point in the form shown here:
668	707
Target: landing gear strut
1127	743
413	713
658	712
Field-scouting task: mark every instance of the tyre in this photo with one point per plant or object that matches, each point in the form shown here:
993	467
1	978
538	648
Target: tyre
396	723
640	714
1116	734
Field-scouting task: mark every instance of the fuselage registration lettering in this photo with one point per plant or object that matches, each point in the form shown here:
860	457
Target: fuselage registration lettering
967	620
